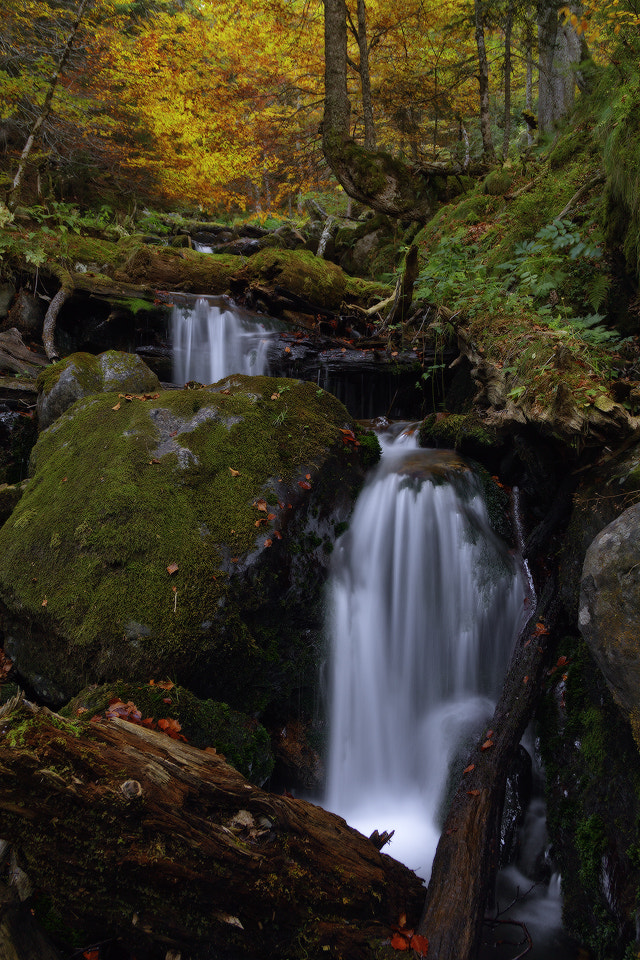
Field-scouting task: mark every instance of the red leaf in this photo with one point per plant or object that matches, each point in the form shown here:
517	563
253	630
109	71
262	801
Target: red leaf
420	944
398	942
486	745
304	484
473	793
277	535
172	568
268	542
468	769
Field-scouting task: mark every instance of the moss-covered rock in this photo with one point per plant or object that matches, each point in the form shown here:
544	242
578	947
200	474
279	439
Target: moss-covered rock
184	536
203	723
83	374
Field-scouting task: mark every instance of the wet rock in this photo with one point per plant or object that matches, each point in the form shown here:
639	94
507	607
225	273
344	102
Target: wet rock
609	613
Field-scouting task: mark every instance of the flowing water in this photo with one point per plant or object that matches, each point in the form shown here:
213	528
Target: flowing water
213	339
426	604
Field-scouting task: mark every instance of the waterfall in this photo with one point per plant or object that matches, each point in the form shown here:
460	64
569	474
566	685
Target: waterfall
425	605
213	339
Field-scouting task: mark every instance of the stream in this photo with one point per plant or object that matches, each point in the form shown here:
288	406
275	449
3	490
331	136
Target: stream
425	603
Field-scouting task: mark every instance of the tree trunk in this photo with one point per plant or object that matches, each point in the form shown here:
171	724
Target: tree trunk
488	150
466	860
371	177
128	833
528	97
559	54
14	193
507	81
365	79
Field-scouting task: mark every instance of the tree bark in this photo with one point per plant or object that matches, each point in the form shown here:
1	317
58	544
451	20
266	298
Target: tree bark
46	107
559	54
131	834
466	859
49	325
371	177
365	79
488	150
507	81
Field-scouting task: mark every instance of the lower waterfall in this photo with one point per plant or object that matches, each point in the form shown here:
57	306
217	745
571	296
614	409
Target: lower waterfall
426	603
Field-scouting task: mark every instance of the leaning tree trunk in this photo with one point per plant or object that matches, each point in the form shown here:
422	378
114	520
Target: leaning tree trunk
46	106
128	834
466	859
507	81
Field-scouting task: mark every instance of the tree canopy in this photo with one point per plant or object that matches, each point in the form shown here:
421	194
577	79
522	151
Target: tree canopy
206	102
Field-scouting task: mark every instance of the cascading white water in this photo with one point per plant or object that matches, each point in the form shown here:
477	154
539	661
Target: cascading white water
212	339
426	603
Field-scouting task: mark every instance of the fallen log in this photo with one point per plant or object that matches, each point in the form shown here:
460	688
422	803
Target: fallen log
466	860
128	833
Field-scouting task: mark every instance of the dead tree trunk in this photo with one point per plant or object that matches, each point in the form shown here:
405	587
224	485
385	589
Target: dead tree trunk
128	833
466	859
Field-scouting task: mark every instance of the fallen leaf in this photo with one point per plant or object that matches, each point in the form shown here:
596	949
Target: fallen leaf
525	679
162	684
271	516
234	473
308	476
44	602
277	535
486	745
287	349
117	406
473	793
268	542
468	769
155	460
172	568
420	944
562	661
304	484
275	396
261	505
398	942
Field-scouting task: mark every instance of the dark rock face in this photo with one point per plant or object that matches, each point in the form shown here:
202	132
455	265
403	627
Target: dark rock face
187	536
609	616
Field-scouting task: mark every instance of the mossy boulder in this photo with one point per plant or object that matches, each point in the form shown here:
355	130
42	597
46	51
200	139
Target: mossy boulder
185	536
206	724
82	374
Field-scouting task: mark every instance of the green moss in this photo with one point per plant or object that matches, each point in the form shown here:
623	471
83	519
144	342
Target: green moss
118	495
244	742
455	431
498	182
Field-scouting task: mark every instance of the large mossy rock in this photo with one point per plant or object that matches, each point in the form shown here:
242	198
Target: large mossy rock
82	374
609	615
185	536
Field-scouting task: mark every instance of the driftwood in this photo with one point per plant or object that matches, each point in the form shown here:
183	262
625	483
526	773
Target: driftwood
16	356
466	861
128	833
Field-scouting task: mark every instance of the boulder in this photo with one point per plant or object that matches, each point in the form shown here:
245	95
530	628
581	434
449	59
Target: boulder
609	612
82	374
184	536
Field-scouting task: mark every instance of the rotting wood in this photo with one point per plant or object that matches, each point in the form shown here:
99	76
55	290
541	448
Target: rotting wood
466	860
160	843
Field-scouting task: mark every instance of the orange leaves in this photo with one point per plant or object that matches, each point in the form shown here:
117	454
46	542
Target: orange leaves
172	728
406	939
5	665
487	745
468	769
540	630
349	437
172	568
162	684
129	711
261	505
128	397
304	484
234	473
